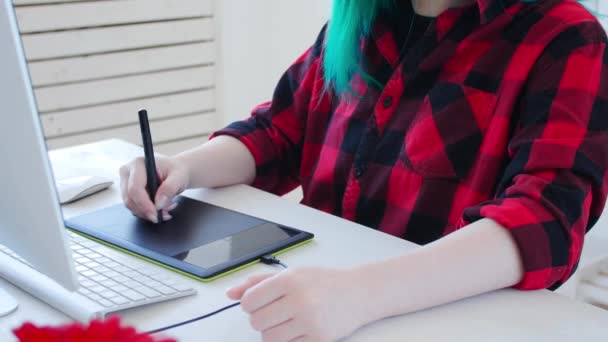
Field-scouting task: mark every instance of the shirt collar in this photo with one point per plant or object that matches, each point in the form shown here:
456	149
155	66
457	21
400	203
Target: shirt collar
487	10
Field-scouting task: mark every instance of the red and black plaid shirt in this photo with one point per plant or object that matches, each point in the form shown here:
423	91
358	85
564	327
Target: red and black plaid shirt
498	110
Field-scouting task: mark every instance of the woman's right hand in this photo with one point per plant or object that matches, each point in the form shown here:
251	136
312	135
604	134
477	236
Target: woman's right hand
174	178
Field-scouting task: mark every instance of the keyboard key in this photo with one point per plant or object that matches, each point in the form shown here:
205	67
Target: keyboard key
164	289
153	284
163	278
81	268
94	296
105	302
101	269
77	238
146	291
88	273
76	254
147	271
119	288
92	264
88	243
132	274
122	269
108	283
112	274
181	287
87	283
131	283
82	260
108	294
111	264
144	280
99	278
103	260
134	296
84	291
120	278
97	288
119	300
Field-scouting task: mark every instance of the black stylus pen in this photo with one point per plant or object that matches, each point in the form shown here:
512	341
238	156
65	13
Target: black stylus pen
151	175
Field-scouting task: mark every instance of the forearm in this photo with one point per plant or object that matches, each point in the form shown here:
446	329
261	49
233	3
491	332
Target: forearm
476	259
220	162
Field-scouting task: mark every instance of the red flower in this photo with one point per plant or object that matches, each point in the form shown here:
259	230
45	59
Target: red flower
96	331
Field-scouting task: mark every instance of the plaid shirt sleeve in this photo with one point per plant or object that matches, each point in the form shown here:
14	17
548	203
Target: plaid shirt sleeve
553	188
274	133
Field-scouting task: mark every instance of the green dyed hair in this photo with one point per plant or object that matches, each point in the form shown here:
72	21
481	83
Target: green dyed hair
350	21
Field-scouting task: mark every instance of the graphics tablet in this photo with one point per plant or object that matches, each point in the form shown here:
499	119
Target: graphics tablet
202	241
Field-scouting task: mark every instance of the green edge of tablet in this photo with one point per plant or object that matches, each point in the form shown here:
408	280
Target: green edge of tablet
180	271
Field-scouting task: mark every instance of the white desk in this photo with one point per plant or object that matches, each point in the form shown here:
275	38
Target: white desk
506	315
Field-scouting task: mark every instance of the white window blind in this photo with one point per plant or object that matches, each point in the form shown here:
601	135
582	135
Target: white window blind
94	64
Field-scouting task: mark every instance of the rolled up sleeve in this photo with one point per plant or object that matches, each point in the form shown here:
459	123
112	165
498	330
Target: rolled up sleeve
553	189
274	133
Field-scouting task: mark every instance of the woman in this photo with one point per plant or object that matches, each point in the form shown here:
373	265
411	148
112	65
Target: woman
477	128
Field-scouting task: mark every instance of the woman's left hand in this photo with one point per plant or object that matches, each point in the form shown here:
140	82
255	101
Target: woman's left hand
306	304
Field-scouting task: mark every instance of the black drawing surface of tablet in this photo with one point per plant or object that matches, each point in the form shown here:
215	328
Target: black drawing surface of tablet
201	240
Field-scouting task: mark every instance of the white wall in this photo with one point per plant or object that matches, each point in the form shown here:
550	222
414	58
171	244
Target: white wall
602	7
258	40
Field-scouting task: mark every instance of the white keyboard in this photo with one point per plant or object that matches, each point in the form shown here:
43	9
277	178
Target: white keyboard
117	285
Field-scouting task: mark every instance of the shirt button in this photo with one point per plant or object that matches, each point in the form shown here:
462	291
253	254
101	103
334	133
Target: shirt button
387	102
358	172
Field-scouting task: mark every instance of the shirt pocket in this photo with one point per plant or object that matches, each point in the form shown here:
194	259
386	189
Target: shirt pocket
445	136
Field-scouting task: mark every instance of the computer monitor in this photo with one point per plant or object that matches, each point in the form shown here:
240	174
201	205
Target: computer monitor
31	223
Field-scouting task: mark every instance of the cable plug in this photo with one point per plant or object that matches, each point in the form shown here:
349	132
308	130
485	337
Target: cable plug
270	259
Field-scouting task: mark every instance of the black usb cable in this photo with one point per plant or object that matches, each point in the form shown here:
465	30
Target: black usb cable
268	259
193	319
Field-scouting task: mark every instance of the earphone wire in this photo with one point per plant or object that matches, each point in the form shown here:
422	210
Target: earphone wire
409	34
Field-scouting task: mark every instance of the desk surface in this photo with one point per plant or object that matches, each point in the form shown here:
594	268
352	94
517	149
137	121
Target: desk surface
505	315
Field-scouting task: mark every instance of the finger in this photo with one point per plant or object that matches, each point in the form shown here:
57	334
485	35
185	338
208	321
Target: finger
136	189
287	331
143	207
123	171
140	203
124	178
168	189
161	167
171	207
166	216
302	339
273	314
237	292
264	293
124	181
